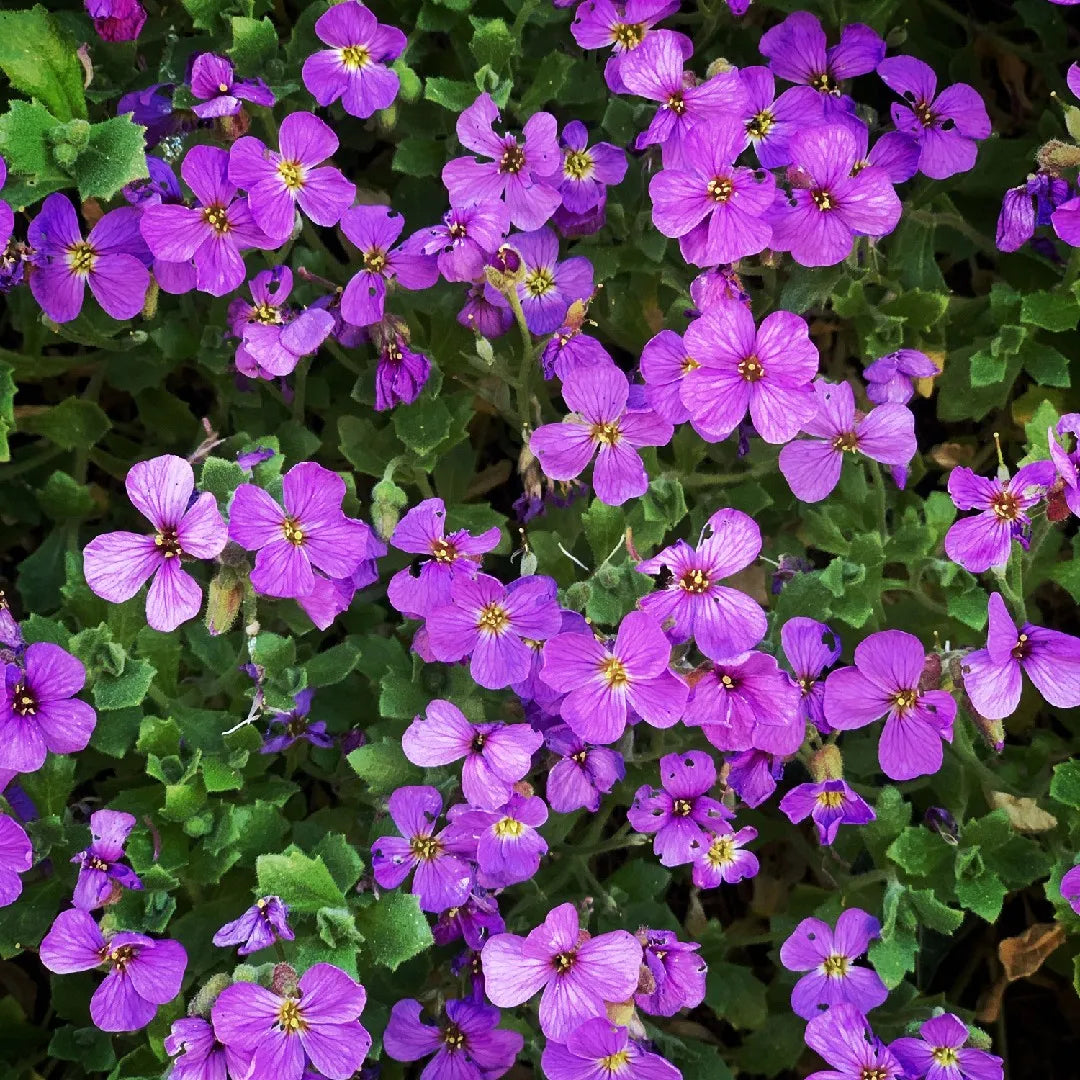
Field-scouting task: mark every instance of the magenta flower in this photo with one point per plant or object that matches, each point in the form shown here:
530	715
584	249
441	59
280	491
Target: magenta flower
722	859
582	774
354	67
843	1038
116	20
475	921
770	121
753	775
1070	888
678	974
401	373
810	647
606	684
885	682
577	976
482	316
310	531
945	125
992	676
186	526
985	540
101	874
263	924
111	260
520	173
468	236
39	713
587	172
663	365
317	1022
812	466
16	857
7	215
219	92
599	1048
496	756
830	804
939	1053
722	621
198	1055
830	202
508	846
277	182
1028	206
895	153
827	956
143	973
1066	462
680	816
768	370
468	1045
890	377
603	427
444	877
569	347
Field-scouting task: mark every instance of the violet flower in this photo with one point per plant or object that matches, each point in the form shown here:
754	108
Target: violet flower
1028	206
294	725
116	20
197	1054
769	120
219	92
587	172
101	874
475	921
663	365
599	1048
401	373
890	377
1067	463
7	215
1070	888
723	858
577	975
582	774
468	236
152	108
810	647
16	857
843	1038
570	348
508	846
829	804
678	973
939	1053
482	316
263	924
753	775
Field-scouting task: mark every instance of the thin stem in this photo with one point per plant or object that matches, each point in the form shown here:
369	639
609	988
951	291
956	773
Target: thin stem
879	497
33	462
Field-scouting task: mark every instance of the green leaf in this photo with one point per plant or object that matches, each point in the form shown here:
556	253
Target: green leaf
550	77
422	425
918	851
114	156
604	528
125	690
341	860
394	929
25	142
382	766
74	424
91	1048
255	43
981	891
492	43
332	665
221	477
7	410
1050	311
933	913
419	157
736	996
304	883
894	957
62	499
38	57
987	369
1065	784
969	608
450	93
1045	364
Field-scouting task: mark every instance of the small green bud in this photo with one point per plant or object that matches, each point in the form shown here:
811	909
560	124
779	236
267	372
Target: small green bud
203	1001
65	155
577	595
387	502
827	764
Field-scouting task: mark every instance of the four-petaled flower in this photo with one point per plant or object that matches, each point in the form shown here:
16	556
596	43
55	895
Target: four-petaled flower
101	874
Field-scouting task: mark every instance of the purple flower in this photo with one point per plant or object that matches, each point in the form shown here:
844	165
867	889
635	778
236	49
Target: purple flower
152	108
482	316
467	237
1066	221
508	847
830	804
599	1048
753	775
985	540
354	67
16	857
587	171
889	378
843	1038
1066	463
488	620
812	466
945	125
279	181
520	173
111	260
678	974
992	676
722	621
569	348
39	712
1027	206
828	206
220	93
722	859
468	1045
294	725
810	647
827	956
885	682
939	1053
311	530
116	20
7	215
401	372
186	526
768	370
1070	888
496	756
582	774
100	871
770	121
444	878
604	427
263	924
680	813
198	1054
578	974
717	210
143	973
214	233
895	153
475	921
605	684
317	1022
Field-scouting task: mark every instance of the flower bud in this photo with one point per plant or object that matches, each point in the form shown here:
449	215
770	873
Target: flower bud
387	502
203	1001
285	980
223	600
827	764
577	595
505	270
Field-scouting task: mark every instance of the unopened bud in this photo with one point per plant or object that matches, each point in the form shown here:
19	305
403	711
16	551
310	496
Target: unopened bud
387	502
577	595
505	270
621	1012
1057	509
484	350
203	1001
827	764
233	127
285	980
719	66
992	732
149	308
223	600
1057	155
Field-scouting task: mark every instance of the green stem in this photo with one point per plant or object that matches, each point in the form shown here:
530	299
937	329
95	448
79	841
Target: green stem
528	357
1012	587
522	17
1039	535
33	462
879	498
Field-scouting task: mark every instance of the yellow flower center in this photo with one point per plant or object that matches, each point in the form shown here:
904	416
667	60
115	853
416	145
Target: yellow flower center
750	369
1021	648
806	685
453	1037
81	258
217	217
615	1062
512	161
720	189
355	57
289	1017
540	281
425	848
848	442
688	364
167	543
1006	506
924	114
375	260
759	125
873	1072
945	1055
509	826
824	83
613	671
292	174
905	699
442	551
563	962
292	531
266	314
676	103
830	799
694	581
578	164
628	35
682	807
608	433
721	851
822	199
23	701
836	966
493	619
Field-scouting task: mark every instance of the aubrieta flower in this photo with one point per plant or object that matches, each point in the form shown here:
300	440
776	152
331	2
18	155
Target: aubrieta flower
945	125
722	621
885	681
508	846
401	372
599	1048
39	713
810	647
317	1022
520	172
722	859
287	728
569	347
354	67
263	924
767	370
577	973
583	772
830	203
219	92
843	1038
993	676
116	20
606	684
152	108
482	316
588	171
16	857
279	181
475	921
1028	206
1070	888
602	425
895	153
468	236
677	970
444	877
186	525
939	1053
769	120
7	215
663	365
829	804
680	816
310	531
812	466
985	540
496	756
328	599
143	973
101	874
718	211
753	775
197	1054
1067	463
468	1045
890	377
111	260
827	956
